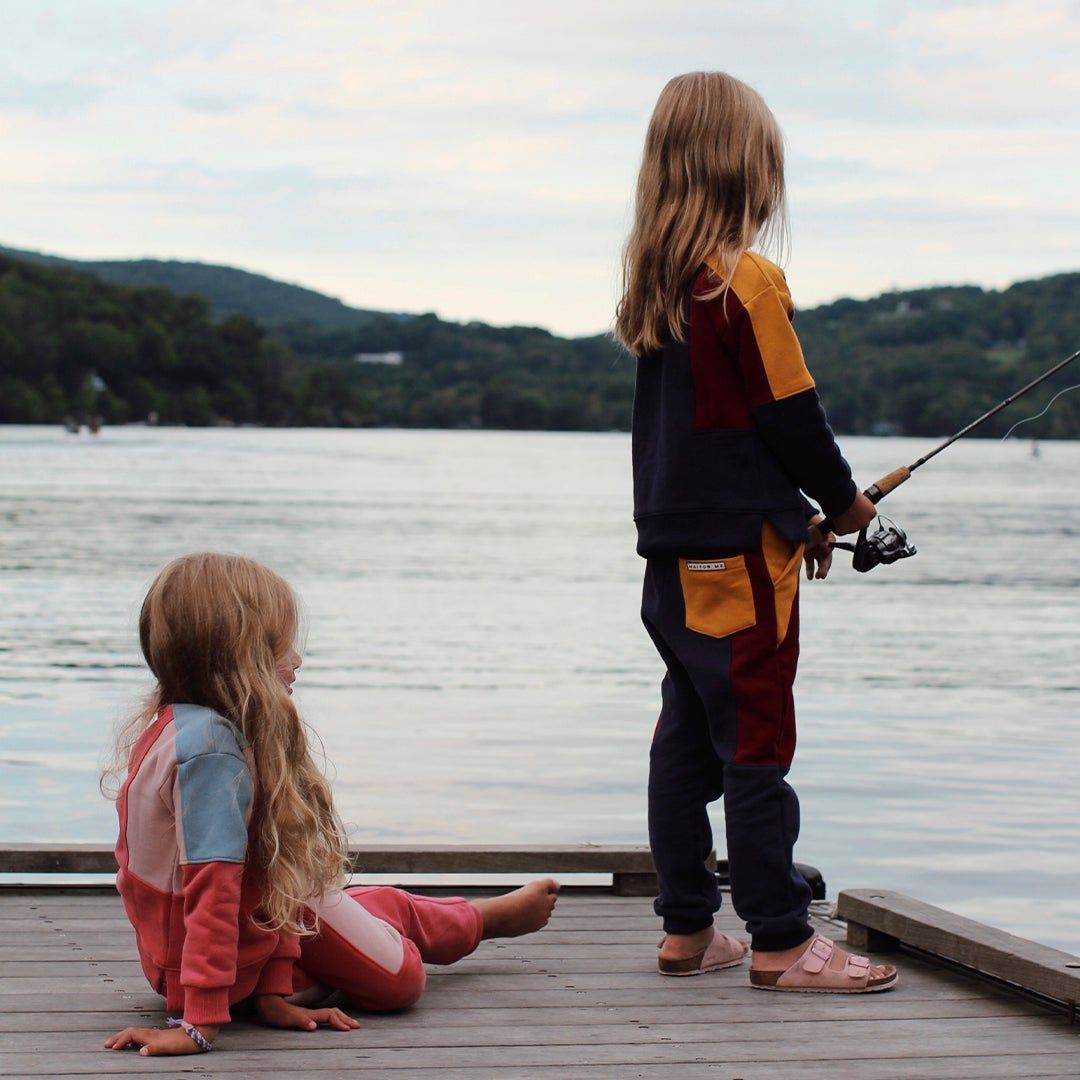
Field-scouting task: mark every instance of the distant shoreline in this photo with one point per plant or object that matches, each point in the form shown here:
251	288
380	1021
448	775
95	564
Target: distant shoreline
204	346
1020	439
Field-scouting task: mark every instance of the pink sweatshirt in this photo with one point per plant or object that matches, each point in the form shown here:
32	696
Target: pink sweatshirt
187	887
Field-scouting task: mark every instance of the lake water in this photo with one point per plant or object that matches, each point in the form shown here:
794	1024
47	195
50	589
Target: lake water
476	666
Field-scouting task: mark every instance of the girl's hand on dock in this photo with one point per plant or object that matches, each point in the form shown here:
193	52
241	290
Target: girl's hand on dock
275	1011
164	1042
817	554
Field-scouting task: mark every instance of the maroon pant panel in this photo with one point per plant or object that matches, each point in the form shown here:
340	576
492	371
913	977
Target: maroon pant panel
762	677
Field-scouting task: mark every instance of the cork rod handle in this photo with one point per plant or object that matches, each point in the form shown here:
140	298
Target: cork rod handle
890	482
875	493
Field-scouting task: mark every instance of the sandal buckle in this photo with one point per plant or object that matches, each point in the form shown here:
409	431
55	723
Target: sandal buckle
817	956
858	966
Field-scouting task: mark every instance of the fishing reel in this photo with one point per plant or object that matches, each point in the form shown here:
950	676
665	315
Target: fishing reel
888	543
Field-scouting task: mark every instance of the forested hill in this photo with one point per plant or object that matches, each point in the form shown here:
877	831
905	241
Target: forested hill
229	290
928	361
72	344
922	362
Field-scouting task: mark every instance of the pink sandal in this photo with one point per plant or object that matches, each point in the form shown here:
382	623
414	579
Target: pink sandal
722	952
811	974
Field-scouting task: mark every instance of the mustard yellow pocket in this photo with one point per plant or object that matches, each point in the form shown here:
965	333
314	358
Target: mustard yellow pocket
717	595
784	560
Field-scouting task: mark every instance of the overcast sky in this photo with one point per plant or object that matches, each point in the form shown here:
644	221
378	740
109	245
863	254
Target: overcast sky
478	159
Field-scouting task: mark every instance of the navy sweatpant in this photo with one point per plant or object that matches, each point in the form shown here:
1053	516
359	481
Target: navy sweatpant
727	629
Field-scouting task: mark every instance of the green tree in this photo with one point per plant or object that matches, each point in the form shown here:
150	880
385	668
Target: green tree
20	403
195	408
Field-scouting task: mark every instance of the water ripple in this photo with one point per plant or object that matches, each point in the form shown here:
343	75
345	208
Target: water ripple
476	665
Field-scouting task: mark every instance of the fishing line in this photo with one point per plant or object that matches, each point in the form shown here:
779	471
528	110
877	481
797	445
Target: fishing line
889	542
1075	386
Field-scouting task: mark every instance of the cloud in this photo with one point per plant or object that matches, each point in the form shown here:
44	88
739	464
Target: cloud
45	97
478	158
990	30
1010	63
213	104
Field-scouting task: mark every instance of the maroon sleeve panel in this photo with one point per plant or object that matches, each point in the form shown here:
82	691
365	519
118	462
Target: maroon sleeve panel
720	398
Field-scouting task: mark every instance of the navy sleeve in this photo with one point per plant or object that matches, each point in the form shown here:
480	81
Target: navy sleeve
797	431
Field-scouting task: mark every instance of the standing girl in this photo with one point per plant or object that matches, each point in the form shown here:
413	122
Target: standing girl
232	857
727	433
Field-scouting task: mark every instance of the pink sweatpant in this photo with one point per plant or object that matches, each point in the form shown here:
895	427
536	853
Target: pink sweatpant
373	943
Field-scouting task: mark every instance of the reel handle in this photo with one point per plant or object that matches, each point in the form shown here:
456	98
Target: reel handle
875	493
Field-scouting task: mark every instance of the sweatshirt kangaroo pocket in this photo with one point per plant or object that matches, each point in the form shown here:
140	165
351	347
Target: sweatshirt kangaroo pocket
717	595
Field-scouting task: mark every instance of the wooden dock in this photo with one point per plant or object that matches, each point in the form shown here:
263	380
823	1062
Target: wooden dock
580	999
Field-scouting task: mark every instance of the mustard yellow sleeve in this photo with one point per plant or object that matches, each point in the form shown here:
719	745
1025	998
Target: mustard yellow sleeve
769	353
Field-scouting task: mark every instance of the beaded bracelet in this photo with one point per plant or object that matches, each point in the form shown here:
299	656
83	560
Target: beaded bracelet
196	1036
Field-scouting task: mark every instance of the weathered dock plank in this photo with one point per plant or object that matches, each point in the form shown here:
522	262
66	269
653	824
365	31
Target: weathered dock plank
880	919
630	866
968	1068
553	1008
581	999
747	1041
377	858
295	1061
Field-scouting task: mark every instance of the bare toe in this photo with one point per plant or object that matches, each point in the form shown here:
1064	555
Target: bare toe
522	911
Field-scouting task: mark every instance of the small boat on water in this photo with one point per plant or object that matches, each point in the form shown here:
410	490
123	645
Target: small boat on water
93	424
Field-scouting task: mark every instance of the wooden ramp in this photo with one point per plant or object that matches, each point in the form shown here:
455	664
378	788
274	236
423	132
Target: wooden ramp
578	1000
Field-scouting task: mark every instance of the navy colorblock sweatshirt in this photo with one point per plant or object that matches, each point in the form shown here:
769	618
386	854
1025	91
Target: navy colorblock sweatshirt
728	428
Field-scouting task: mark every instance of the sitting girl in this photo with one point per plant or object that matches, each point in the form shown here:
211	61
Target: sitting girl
232	858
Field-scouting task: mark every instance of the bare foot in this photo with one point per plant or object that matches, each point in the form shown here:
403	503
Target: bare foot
522	911
683	946
782	959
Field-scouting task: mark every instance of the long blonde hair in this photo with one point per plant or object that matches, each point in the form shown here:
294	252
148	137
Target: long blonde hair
711	185
213	630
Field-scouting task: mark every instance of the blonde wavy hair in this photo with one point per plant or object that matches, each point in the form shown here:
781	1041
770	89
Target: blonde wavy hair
711	185
214	629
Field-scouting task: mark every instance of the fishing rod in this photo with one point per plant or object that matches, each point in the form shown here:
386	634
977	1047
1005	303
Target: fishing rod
889	543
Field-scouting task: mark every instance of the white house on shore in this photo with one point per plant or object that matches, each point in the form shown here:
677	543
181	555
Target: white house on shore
391	358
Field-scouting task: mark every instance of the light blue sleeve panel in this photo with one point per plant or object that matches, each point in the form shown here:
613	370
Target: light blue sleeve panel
215	788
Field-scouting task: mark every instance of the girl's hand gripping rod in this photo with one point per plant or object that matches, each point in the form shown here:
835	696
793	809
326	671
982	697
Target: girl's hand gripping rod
889	543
